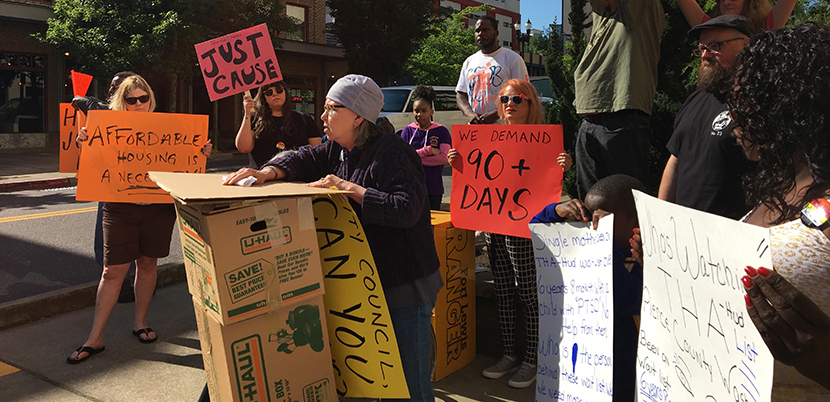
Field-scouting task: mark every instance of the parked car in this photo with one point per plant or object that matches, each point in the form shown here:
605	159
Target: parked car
397	106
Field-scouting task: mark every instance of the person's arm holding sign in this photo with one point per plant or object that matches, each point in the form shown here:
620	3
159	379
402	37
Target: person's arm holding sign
245	136
795	329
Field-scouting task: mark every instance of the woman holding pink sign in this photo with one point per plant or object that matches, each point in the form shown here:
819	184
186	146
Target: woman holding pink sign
271	126
511	257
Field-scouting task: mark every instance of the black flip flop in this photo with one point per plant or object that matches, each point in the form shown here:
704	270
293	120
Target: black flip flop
145	331
89	353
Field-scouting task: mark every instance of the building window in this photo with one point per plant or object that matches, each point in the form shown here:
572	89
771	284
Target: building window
303	93
21	93
297	15
505	43
506	24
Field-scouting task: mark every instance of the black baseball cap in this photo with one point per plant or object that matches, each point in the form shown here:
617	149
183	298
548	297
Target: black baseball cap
737	22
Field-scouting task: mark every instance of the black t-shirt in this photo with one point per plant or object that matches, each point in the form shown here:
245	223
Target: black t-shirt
266	144
710	162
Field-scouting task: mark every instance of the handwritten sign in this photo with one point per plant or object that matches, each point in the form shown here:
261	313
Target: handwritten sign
576	311
504	175
80	83
364	349
454	318
237	62
696	341
68	126
123	146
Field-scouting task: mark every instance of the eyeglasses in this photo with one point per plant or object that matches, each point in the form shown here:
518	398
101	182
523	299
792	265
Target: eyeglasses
713	47
517	99
131	100
330	109
270	91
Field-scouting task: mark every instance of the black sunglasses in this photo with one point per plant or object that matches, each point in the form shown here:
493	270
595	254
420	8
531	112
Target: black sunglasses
517	99
131	100
270	91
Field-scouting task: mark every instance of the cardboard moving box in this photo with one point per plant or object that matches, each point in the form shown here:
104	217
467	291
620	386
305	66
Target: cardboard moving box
248	250
454	320
281	356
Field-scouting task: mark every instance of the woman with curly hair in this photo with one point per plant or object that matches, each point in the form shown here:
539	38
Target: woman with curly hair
271	125
763	14
781	88
430	140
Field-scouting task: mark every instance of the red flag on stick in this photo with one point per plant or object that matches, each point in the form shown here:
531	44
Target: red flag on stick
80	83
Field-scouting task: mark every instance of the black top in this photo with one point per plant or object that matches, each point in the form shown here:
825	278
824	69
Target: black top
710	162
266	144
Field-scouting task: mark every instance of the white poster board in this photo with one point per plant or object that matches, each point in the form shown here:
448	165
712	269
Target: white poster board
697	342
576	310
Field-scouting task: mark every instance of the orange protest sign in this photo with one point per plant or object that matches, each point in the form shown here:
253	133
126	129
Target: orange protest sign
123	146
69	152
504	175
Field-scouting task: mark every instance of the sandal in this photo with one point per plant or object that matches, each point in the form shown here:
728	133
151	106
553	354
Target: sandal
89	353
146	332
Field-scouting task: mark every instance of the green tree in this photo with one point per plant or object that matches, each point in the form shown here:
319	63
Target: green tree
151	37
440	55
378	36
811	10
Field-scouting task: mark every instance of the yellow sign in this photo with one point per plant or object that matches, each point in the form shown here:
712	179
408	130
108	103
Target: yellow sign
123	146
364	349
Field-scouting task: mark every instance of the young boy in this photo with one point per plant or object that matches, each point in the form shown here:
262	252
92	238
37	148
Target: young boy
612	195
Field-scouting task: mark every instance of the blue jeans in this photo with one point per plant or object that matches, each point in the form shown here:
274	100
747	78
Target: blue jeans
413	330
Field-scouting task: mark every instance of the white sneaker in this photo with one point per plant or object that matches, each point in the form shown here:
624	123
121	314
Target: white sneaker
506	365
524	377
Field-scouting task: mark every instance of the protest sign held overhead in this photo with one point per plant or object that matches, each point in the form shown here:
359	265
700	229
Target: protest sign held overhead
697	342
504	175
237	62
364	348
80	83
123	146
576	310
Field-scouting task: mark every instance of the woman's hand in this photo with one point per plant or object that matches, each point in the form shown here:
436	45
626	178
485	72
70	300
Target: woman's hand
564	159
452	155
794	328
248	104
636	242
341	184
207	149
261	175
82	136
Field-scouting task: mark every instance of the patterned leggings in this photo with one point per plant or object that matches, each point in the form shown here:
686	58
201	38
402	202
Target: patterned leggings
511	260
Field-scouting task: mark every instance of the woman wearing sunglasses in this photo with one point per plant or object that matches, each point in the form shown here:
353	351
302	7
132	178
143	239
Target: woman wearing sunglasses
511	257
388	194
271	125
132	232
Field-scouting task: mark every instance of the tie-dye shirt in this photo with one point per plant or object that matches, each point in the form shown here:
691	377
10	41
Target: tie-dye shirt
483	75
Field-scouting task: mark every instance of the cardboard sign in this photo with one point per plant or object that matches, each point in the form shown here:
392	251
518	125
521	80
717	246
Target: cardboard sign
504	175
697	342
454	319
123	146
364	347
69	152
576	310
237	62
80	83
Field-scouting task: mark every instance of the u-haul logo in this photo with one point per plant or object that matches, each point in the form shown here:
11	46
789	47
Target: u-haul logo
262	241
249	365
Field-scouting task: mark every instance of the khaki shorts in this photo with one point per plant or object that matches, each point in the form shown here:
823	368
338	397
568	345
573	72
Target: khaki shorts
132	230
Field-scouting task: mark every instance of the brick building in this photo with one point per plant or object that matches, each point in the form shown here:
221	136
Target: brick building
34	77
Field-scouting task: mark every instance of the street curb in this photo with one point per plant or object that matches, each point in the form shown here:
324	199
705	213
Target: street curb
60	301
38	184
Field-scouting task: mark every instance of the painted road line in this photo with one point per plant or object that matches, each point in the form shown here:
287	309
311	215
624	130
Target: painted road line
48	214
5	369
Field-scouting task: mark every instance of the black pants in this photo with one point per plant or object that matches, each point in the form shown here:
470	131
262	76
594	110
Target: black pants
612	143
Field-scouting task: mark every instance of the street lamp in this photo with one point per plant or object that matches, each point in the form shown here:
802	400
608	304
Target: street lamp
523	38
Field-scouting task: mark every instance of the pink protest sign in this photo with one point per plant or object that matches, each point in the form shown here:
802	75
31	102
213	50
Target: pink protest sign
238	62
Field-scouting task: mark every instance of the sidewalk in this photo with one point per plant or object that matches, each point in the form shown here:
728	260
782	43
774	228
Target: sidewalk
33	360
